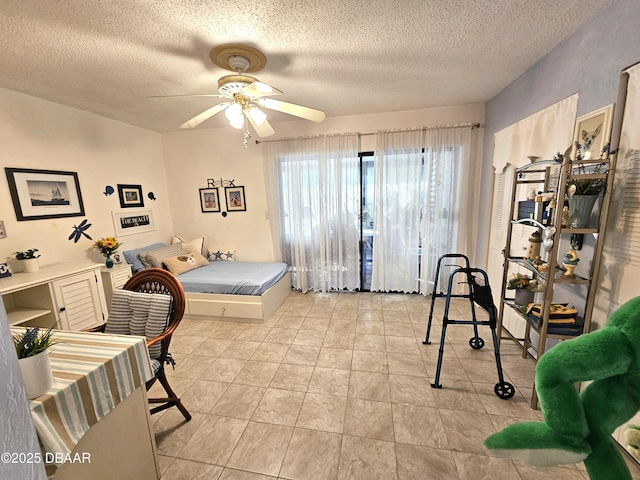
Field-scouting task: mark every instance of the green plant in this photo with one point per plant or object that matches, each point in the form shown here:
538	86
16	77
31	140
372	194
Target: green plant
31	253
31	342
522	281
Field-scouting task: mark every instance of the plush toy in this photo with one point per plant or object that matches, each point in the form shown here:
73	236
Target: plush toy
632	435
578	427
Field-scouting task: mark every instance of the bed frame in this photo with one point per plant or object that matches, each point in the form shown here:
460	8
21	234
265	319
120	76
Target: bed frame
240	308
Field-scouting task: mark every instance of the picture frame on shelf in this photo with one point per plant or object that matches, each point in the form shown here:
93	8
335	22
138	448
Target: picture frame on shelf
130	196
41	194
130	222
235	199
209	200
593	132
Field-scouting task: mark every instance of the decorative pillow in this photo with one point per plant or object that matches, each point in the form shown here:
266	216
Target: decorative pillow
132	256
194	246
184	263
222	254
136	313
154	258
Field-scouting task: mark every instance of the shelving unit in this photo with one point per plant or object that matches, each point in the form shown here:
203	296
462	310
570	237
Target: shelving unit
578	291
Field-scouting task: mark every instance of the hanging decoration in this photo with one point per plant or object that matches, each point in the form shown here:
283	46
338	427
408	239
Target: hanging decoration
80	231
108	190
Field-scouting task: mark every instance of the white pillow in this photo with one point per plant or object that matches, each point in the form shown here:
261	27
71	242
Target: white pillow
221	254
194	246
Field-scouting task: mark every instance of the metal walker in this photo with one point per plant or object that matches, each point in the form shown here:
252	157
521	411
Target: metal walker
478	293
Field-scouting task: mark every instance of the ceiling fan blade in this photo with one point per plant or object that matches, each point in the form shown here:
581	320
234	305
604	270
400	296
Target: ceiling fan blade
208	113
292	109
188	95
264	129
259	89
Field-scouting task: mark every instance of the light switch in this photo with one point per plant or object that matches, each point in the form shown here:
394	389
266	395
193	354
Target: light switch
3	232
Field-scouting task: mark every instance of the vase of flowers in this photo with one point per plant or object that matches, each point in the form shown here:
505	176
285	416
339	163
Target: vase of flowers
525	287
107	247
32	348
29	260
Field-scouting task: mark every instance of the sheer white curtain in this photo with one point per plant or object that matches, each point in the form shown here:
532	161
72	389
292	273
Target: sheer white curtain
398	193
423	205
314	205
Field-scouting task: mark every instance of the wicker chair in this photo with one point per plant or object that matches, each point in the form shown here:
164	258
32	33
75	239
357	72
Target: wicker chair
157	280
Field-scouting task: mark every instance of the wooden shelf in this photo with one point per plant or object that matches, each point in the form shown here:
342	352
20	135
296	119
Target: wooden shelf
18	316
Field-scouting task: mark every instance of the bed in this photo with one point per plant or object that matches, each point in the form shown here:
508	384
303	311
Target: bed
221	290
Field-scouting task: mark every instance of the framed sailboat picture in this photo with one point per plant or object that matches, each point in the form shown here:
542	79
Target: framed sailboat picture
41	194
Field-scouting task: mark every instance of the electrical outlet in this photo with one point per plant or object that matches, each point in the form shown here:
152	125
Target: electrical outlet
3	232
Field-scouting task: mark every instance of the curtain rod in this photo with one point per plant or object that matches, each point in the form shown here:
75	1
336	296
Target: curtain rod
421	129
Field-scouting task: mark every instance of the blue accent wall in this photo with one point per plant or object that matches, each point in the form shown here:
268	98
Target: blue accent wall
588	62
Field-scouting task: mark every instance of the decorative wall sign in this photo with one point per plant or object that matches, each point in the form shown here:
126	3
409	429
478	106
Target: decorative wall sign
41	194
130	196
214	182
209	200
235	199
130	222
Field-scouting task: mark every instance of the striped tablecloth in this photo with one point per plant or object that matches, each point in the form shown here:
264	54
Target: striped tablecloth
92	374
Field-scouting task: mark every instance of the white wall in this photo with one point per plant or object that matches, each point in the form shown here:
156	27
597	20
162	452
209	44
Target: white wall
193	156
43	135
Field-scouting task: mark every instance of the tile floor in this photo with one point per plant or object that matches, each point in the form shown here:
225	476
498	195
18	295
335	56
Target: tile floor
337	386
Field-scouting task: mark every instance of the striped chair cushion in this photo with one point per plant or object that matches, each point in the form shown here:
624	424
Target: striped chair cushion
143	314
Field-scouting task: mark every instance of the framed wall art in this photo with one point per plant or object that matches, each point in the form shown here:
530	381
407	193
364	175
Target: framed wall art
593	132
41	194
130	196
235	199
209	200
130	222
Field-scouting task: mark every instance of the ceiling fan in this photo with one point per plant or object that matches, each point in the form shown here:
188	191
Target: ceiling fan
246	96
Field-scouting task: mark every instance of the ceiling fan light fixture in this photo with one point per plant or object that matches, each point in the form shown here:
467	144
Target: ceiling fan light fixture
233	112
257	115
237	123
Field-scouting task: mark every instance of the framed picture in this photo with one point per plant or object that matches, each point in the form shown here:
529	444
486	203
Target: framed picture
41	194
209	200
130	196
593	132
235	199
129	222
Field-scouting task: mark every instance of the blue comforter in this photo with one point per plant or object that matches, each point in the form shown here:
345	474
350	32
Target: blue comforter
240	278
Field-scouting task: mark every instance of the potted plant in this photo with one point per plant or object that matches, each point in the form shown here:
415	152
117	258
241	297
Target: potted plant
524	285
107	247
28	259
32	348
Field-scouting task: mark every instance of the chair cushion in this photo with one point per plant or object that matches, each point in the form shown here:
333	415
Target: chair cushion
143	314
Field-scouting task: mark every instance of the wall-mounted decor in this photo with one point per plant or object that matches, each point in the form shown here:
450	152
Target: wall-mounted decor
152	196
130	222
108	190
235	199
80	231
41	194
130	196
593	132
209	200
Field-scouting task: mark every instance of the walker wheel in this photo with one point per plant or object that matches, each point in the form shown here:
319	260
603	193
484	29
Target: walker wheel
504	390
476	343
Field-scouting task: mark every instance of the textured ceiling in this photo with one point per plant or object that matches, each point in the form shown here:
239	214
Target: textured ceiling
344	57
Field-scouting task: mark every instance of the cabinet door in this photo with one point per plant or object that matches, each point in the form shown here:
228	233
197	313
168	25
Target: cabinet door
79	300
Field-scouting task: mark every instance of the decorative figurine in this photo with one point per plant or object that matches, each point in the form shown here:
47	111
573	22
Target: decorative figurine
535	241
570	261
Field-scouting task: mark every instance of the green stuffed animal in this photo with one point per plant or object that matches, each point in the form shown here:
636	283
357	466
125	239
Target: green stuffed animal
632	435
578	427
